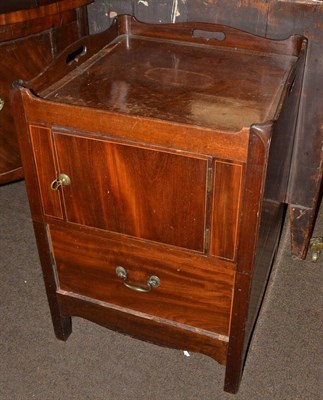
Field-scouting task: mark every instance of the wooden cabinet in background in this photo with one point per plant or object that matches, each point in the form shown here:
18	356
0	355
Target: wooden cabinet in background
32	33
157	162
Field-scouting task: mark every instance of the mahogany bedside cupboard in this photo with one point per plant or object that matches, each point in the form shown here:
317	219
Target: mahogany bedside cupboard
156	160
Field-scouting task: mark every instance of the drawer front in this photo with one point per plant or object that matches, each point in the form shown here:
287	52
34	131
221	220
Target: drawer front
192	291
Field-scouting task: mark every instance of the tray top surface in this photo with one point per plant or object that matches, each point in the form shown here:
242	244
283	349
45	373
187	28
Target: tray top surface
211	87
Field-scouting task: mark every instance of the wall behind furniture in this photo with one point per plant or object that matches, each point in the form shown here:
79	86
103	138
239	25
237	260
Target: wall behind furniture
102	12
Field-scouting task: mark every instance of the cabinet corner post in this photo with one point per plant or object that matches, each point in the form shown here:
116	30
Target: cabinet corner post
62	324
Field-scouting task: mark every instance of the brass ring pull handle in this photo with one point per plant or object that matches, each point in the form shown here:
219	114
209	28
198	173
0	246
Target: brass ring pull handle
153	281
1	103
62	180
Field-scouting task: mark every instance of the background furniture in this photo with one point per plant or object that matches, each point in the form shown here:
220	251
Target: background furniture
32	33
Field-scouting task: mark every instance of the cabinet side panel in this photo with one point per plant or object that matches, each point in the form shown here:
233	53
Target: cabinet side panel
46	170
253	189
226	205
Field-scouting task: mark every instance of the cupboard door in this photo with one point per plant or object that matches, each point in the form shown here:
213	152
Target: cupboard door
145	193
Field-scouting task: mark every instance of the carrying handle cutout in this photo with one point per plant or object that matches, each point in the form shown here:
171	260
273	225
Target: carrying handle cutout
76	54
200	33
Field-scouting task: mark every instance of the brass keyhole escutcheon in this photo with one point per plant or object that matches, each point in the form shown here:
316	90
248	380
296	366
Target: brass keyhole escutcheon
1	103
62	180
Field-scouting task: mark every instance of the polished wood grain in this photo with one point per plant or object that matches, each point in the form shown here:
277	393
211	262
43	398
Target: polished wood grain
47	172
276	20
62	323
172	87
18	30
199	204
30	40
163	333
275	189
226	207
132	128
38	54
191	293
144	193
229	37
51	8
275	145
250	225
